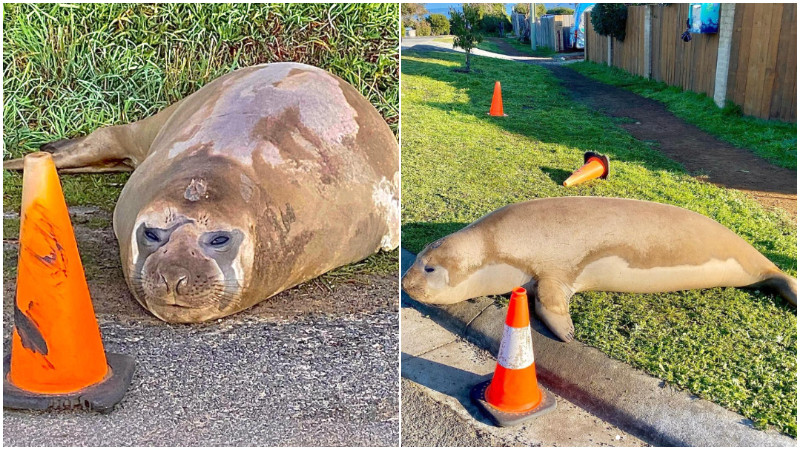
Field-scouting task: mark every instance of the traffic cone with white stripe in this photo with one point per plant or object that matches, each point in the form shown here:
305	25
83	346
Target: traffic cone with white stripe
513	395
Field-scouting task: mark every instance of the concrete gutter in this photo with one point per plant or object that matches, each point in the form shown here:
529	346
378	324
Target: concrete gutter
614	391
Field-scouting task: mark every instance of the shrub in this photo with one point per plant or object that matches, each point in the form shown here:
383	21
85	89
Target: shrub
561	10
608	19
439	24
423	28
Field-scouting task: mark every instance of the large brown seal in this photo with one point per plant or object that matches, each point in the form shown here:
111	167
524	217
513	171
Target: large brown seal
266	177
560	246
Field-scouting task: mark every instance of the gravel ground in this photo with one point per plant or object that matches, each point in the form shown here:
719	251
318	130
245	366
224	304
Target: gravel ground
315	365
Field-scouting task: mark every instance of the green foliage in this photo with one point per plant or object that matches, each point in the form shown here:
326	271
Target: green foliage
561	10
70	69
735	347
492	16
525	8
609	19
772	140
423	28
464	26
439	24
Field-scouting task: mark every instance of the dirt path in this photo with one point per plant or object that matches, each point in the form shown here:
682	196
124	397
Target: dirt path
703	155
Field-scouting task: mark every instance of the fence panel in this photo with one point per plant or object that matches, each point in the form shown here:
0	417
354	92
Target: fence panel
762	74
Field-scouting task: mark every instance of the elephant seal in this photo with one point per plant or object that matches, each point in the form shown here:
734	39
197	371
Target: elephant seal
265	178
560	246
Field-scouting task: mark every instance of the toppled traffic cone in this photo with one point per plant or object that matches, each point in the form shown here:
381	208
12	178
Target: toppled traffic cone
57	358
595	165
497	102
513	395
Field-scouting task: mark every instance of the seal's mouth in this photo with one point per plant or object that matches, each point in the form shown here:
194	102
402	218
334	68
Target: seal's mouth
184	314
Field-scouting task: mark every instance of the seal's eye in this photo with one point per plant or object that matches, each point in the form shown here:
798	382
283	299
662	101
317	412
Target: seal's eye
219	240
428	269
151	235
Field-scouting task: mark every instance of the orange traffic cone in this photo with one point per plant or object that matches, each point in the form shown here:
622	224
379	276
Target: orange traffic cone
513	395
497	102
595	165
57	358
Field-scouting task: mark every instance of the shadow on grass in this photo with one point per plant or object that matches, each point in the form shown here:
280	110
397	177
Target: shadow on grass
537	106
557	175
418	234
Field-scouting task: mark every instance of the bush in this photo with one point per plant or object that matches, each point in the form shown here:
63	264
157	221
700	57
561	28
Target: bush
439	24
608	19
561	10
491	22
423	28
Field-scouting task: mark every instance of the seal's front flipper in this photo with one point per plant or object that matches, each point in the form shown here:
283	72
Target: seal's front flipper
552	307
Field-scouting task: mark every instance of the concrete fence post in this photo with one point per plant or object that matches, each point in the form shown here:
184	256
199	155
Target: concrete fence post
608	60
726	13
533	25
647	42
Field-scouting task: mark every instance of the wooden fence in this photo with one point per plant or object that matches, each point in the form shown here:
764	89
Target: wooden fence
549	30
762	70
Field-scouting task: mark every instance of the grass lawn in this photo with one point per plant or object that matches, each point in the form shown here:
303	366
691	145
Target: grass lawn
734	347
70	69
447	39
491	46
773	140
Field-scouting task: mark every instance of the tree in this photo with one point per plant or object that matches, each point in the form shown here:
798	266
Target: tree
561	10
411	14
439	24
609	19
464	26
525	8
491	16
412	10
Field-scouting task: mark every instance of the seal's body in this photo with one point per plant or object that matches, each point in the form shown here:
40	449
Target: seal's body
560	246
264	178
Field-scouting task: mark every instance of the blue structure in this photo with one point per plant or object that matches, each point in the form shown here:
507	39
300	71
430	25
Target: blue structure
703	17
580	27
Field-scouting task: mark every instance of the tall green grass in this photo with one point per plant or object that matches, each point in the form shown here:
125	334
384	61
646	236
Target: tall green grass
70	69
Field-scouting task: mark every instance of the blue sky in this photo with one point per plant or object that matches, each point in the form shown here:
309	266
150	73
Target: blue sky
444	8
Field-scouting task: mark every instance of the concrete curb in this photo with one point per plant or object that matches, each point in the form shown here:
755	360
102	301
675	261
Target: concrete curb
617	393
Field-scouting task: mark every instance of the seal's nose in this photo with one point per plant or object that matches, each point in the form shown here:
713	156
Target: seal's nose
175	278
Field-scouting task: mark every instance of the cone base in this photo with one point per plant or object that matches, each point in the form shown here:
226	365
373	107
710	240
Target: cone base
606	162
496	115
100	397
508	419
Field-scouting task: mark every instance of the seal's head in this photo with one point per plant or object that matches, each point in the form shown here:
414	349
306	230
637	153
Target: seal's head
191	247
442	271
459	267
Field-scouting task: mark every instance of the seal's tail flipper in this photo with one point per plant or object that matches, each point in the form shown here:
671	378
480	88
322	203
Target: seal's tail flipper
783	284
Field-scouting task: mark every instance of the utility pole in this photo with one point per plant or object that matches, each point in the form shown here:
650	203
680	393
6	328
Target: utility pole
533	25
